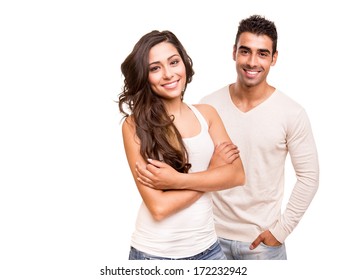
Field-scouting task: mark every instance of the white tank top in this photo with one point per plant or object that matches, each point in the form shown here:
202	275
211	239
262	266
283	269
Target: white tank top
191	230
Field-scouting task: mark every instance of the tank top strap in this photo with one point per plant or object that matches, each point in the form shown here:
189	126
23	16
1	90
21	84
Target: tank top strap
200	117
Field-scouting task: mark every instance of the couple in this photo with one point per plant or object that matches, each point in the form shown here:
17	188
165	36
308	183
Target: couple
203	196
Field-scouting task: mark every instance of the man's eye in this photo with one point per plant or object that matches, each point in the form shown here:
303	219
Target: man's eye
264	54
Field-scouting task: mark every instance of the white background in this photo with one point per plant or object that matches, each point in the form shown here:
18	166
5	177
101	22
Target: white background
67	200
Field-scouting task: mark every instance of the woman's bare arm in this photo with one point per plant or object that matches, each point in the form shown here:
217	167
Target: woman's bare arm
160	203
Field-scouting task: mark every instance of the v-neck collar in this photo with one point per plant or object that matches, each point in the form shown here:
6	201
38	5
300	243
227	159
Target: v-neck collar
257	107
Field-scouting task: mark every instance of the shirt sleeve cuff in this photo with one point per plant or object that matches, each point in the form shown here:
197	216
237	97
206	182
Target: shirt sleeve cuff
279	232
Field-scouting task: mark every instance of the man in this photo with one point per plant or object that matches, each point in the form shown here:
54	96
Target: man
265	124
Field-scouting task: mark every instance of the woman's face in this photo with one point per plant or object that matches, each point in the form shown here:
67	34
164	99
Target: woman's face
167	72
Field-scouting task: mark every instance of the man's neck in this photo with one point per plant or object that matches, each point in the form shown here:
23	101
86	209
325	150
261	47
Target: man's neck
247	98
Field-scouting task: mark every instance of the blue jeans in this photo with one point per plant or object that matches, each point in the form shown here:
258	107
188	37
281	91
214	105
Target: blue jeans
213	253
237	250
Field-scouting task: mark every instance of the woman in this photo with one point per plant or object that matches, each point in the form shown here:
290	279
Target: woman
172	224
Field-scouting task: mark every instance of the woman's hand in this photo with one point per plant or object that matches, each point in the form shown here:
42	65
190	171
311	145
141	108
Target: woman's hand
224	153
158	175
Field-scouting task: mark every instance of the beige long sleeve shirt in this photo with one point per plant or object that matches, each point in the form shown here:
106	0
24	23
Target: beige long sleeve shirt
265	135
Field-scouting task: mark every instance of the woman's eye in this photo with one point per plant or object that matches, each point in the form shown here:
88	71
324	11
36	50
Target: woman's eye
174	62
153	69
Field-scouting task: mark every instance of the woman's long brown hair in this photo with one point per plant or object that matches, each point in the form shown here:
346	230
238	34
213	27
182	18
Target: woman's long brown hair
159	137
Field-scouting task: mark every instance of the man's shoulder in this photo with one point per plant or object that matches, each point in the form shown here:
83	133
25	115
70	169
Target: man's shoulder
286	100
215	95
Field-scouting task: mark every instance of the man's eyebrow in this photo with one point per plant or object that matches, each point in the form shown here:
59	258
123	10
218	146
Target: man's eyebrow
244	48
264	50
259	50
